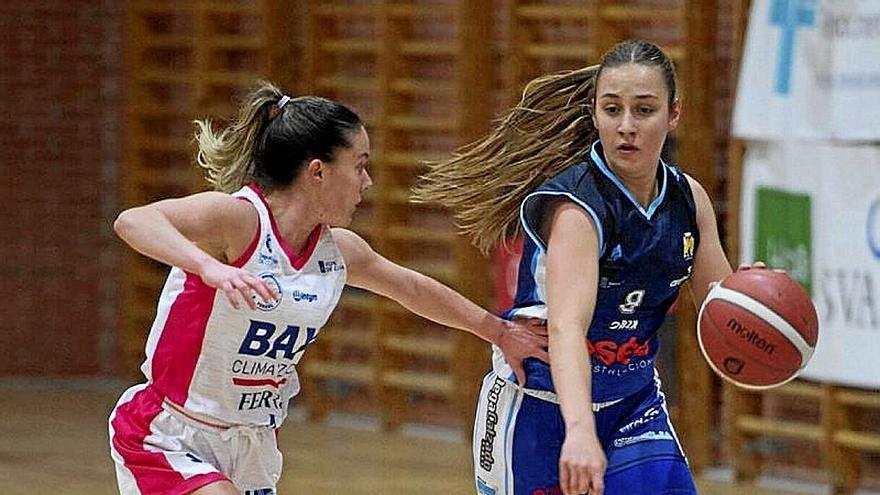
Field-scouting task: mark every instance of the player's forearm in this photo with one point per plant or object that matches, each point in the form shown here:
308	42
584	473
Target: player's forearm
570	369
150	233
435	301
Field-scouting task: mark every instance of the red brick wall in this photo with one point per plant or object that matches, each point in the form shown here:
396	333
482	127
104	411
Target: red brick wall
60	74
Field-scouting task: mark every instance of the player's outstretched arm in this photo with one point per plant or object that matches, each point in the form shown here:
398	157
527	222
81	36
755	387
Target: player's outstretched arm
430	299
199	234
710	262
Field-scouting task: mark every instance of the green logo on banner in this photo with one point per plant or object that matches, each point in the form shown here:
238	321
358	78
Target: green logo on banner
783	233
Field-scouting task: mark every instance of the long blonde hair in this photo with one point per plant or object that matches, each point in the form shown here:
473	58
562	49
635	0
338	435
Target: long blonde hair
550	129
484	182
227	156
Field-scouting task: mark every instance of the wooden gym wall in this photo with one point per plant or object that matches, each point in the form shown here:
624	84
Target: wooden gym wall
60	148
416	72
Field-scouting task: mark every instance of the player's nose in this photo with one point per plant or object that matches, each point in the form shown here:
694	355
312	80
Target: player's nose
627	123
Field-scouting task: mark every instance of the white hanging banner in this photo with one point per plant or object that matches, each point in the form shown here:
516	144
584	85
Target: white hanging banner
810	70
814	210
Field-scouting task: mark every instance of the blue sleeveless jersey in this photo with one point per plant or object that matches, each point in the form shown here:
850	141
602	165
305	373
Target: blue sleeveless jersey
645	257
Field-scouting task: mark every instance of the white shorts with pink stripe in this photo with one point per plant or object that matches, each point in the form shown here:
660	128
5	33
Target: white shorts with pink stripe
159	448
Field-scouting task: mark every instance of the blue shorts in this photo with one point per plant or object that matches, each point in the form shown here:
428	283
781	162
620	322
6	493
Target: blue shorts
518	437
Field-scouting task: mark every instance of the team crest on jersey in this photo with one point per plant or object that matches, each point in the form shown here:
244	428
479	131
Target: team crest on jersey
274	284
267	259
687	242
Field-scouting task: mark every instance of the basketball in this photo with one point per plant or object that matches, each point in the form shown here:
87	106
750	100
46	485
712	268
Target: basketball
757	328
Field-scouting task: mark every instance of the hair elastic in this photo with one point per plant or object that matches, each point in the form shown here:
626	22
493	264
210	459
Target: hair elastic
283	101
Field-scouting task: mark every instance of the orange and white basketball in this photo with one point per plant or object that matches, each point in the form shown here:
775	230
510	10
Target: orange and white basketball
758	328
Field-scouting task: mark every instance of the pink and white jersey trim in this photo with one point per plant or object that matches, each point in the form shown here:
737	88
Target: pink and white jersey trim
239	365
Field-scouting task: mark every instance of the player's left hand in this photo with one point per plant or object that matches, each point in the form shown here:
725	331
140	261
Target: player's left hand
758	265
523	338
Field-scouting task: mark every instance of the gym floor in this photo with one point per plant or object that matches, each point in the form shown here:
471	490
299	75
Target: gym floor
53	440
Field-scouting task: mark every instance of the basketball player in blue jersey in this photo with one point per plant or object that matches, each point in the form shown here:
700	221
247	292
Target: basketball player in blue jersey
257	268
612	232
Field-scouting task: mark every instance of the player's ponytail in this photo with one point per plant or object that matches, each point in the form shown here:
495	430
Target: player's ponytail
272	139
484	182
228	155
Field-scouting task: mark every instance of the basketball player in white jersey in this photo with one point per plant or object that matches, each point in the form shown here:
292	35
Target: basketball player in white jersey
257	268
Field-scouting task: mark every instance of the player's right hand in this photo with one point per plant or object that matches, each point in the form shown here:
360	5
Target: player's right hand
582	462
237	284
521	339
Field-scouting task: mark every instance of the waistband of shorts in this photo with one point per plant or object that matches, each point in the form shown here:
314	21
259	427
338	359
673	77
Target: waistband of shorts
549	396
200	420
225	431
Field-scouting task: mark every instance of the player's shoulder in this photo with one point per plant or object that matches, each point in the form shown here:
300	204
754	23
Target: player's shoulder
699	200
352	246
238	210
576	173
694	188
213	206
677	177
577	179
216	197
347	237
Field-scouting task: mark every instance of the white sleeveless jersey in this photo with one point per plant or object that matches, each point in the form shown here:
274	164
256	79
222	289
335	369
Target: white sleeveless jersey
239	365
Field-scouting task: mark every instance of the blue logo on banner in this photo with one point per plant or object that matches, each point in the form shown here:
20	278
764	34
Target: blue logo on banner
789	15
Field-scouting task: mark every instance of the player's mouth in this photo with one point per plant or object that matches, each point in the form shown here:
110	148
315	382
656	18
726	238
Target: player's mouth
627	148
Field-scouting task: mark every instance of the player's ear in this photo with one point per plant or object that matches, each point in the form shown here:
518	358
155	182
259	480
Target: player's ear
592	111
674	114
315	169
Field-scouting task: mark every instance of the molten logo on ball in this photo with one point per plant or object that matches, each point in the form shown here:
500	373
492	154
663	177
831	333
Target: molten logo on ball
751	336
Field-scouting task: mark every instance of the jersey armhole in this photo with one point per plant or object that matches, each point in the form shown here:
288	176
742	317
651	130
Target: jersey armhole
532	227
249	251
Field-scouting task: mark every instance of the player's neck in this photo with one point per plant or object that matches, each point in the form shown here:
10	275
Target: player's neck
294	218
644	187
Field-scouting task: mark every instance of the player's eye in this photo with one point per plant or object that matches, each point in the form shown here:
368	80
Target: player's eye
611	109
